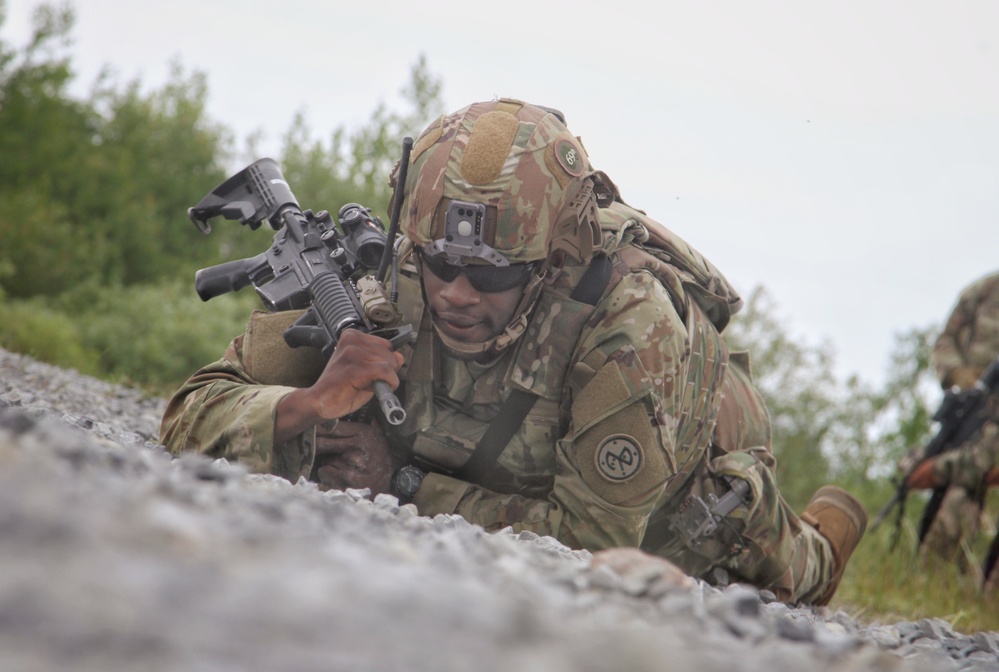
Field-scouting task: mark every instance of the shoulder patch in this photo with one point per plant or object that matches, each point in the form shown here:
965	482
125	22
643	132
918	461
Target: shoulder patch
619	457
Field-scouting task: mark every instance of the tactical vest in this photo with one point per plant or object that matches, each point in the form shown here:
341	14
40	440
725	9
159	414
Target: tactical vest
445	425
450	405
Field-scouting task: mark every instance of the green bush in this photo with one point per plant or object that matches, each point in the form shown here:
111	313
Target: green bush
150	336
156	336
34	328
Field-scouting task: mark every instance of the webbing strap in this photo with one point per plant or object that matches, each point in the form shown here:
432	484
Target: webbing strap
594	281
496	438
518	404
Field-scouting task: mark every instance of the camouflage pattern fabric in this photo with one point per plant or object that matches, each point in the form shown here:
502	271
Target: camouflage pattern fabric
956	523
519	160
643	420
222	411
968	343
970	338
641	408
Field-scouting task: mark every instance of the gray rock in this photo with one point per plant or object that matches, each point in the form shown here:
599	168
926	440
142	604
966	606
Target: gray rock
117	556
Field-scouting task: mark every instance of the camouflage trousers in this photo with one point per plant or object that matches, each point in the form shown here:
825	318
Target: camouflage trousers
955	525
960	516
761	542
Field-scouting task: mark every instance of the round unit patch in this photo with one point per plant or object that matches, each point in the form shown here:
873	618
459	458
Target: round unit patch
569	157
619	457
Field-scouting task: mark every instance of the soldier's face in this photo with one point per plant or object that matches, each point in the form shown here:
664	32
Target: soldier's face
465	313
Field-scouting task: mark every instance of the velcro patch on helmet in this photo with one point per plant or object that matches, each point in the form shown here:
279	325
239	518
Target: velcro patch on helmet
488	147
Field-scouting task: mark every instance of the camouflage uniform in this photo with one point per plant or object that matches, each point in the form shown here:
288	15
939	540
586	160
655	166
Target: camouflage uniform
969	342
641	411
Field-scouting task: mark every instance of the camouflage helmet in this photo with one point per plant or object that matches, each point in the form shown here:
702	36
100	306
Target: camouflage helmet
524	174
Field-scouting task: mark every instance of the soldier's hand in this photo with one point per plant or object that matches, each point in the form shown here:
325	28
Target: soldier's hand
923	477
353	455
345	385
637	565
359	360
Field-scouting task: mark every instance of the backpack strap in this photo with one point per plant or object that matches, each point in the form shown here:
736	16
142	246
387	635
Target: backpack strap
519	403
593	283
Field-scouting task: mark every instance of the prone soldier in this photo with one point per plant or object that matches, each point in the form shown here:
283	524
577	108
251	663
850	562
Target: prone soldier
569	375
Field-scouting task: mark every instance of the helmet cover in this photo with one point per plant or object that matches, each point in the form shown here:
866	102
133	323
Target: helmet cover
517	169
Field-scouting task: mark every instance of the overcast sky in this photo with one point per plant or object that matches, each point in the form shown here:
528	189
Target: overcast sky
842	154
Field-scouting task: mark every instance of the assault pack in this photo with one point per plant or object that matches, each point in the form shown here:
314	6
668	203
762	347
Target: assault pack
681	268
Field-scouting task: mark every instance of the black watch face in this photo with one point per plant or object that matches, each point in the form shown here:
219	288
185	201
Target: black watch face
408	480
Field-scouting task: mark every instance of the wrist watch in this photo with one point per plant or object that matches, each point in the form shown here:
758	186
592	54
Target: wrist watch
406	482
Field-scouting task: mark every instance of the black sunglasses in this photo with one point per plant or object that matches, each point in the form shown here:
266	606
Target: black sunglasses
486	279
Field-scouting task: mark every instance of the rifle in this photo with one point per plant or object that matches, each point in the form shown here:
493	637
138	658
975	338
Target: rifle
311	263
960	416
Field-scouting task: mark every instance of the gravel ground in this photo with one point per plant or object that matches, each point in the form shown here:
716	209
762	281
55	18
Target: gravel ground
116	556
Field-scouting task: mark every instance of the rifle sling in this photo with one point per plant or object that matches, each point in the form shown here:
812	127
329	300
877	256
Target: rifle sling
519	403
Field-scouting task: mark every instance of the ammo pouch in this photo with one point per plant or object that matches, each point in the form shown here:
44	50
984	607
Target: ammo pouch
269	360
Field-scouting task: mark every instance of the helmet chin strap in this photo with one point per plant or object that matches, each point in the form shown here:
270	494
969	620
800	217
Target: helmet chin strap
511	333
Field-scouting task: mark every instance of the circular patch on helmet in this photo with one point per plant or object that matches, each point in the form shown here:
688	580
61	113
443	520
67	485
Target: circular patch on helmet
619	457
569	157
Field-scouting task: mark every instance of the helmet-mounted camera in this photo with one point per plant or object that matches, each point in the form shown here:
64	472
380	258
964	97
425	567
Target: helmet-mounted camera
464	225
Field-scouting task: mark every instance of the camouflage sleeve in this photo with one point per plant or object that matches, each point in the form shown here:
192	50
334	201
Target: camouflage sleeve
612	465
222	412
967	466
970	337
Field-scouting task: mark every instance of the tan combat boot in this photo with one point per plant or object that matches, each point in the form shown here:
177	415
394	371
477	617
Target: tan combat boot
842	520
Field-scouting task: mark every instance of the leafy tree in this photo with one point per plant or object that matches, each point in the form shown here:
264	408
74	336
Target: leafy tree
875	428
97	188
41	131
156	336
157	155
36	112
97	250
800	390
825	430
912	391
